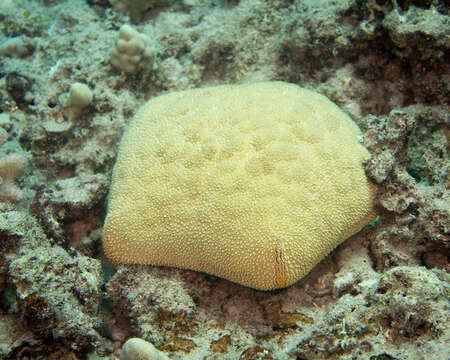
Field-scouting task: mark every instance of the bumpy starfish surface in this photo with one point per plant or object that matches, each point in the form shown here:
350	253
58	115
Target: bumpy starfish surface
253	183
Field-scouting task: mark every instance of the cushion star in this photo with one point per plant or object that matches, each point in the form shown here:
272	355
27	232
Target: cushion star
253	183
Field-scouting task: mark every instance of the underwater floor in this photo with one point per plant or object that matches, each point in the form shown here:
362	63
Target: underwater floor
73	73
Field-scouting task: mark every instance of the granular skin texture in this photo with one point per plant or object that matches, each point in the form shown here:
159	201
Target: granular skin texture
254	183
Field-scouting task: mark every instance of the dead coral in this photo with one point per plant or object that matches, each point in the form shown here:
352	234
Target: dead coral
61	308
14	335
137	8
400	310
67	202
52	294
146	299
410	162
411	301
399	58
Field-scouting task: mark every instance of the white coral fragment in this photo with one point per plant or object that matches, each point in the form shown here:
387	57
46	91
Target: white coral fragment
132	51
80	97
20	46
11	166
138	349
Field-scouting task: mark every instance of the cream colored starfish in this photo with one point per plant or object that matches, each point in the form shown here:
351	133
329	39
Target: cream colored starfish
253	183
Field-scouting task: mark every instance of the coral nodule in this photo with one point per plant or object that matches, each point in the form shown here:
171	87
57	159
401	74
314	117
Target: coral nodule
253	183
